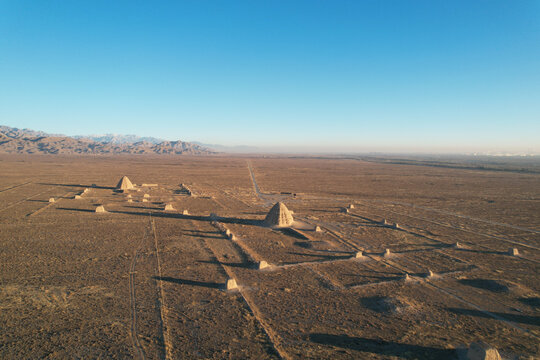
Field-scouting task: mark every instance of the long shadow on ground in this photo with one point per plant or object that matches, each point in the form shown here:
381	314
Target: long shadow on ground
493	252
81	210
292	233
203	234
321	257
227	220
531	301
486	284
381	347
245	265
206	284
80	185
374	278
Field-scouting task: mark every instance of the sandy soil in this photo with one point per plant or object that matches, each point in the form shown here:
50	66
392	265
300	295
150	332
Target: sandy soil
139	282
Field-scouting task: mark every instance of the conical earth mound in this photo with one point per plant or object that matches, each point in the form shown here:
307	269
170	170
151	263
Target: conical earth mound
279	216
124	184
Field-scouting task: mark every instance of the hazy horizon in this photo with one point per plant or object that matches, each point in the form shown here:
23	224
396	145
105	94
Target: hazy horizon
300	76
297	149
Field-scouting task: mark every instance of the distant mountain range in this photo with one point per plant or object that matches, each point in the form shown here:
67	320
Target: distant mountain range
26	141
120	139
15	133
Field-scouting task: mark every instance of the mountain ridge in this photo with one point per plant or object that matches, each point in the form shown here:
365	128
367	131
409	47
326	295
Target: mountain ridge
27	141
120	138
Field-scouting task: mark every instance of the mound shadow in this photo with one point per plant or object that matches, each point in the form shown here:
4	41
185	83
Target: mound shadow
492	252
80	185
531	301
244	265
377	276
73	209
228	220
290	232
206	284
144	208
304	244
368	222
322	257
203	234
381	304
486	284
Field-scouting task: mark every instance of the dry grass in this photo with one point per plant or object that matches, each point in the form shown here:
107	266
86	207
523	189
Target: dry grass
73	283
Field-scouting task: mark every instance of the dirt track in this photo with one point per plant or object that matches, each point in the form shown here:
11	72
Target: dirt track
140	282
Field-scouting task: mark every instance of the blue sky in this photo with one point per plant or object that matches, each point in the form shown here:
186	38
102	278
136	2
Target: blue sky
442	76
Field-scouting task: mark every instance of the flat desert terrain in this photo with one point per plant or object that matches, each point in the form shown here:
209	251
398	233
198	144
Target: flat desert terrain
408	261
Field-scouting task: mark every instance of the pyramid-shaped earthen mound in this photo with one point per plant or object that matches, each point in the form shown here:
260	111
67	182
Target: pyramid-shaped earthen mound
124	184
169	207
279	216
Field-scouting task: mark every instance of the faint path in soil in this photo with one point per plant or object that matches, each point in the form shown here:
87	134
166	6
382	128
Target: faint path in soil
464	216
270	333
488	313
461	229
347	199
15	186
139	351
447	291
409	231
161	296
405	269
229	194
351	244
336	234
25	199
35	212
267	198
255	185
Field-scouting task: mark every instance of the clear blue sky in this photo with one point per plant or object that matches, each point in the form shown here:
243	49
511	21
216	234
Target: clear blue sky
330	75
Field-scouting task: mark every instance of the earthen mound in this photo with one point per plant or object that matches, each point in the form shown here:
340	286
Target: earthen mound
386	305
482	351
124	184
279	216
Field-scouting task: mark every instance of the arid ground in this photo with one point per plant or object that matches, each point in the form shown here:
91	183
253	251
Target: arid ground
141	282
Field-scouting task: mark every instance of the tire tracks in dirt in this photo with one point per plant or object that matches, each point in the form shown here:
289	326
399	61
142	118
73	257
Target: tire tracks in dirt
138	349
466	217
163	311
25	199
353	245
35	212
15	186
460	229
273	337
447	291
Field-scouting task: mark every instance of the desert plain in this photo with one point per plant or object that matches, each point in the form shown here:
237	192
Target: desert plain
409	260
